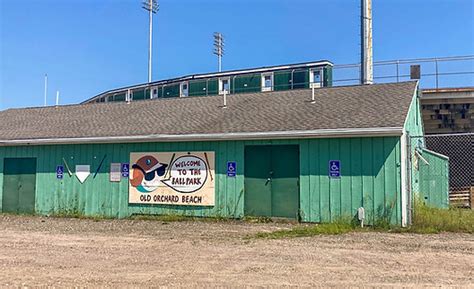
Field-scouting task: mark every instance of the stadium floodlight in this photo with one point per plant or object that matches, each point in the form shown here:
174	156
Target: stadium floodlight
219	48
152	7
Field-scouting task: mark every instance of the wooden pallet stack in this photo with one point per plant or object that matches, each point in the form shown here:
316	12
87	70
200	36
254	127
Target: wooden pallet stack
462	197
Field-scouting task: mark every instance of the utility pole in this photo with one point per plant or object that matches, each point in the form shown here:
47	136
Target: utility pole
366	71
152	7
219	48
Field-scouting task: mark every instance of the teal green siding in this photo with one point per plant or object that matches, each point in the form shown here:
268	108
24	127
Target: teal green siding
282	80
327	78
301	79
247	83
119	97
414	131
369	167
414	121
198	88
171	90
212	86
434	179
141	94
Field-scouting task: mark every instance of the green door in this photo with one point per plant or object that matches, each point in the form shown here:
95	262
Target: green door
19	185
271	181
258	193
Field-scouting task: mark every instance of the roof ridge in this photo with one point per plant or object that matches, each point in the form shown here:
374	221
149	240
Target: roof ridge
206	96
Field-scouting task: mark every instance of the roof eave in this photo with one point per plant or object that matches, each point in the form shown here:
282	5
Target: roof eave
321	133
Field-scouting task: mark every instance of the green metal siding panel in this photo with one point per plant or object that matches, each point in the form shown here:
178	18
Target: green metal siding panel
282	80
324	182
119	97
305	181
139	95
212	86
301	79
197	88
327	78
414	127
171	91
357	192
334	183
247	83
369	166
345	195
434	180
369	173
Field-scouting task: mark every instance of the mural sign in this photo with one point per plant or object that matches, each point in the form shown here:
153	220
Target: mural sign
181	178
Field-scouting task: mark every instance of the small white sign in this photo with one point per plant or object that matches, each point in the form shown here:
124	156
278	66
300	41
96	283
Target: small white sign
82	172
115	172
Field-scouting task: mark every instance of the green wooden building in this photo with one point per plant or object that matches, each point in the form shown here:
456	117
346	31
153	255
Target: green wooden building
263	79
313	155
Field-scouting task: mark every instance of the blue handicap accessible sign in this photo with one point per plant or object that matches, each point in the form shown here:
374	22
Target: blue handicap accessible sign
231	169
59	172
125	169
334	168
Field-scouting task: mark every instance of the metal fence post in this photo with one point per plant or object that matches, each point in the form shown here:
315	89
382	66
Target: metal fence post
398	73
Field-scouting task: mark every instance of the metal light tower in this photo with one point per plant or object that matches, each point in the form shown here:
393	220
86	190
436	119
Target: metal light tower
152	7
219	48
366	75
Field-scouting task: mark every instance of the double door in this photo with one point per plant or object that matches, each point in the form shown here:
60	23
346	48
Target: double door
271	181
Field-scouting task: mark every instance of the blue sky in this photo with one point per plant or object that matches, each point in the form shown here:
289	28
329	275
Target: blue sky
89	46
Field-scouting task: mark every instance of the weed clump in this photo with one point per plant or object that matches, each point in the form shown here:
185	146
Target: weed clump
335	228
428	220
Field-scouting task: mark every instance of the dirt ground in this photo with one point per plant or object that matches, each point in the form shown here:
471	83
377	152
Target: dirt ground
40	251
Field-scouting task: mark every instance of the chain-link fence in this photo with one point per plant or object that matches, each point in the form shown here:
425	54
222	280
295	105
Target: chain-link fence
442	167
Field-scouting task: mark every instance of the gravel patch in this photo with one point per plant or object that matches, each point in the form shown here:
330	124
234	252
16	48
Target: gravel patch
62	252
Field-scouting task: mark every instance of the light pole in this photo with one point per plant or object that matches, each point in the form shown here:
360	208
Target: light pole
219	48
152	7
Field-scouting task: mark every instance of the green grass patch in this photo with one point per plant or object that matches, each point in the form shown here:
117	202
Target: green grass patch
433	220
426	220
336	228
